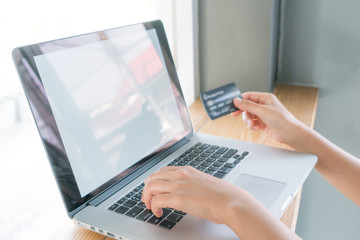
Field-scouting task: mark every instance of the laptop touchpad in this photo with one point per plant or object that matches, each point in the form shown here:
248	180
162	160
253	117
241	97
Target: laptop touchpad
264	190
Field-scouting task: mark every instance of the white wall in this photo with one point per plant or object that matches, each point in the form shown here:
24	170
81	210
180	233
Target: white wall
321	47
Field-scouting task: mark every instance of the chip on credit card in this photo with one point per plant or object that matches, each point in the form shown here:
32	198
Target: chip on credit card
219	101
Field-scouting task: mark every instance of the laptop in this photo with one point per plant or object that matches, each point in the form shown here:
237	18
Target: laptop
110	111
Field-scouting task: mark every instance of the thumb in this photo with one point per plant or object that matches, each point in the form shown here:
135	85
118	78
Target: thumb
248	106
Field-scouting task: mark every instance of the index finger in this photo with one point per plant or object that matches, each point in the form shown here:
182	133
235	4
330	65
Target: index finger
169	168
257	97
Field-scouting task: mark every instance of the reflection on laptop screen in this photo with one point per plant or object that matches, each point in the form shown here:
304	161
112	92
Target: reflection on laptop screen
113	102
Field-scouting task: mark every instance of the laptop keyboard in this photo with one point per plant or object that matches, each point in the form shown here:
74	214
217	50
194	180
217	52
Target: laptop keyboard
211	159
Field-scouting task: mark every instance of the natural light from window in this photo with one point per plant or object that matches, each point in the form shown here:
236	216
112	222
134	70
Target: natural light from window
26	22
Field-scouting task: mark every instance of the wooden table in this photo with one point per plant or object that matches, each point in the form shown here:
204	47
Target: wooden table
301	101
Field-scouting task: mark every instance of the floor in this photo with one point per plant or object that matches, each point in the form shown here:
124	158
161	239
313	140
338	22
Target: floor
30	204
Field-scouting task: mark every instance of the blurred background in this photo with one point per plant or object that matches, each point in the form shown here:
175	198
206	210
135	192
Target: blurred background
254	43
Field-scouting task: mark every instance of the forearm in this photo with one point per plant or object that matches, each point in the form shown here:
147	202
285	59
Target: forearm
340	168
254	221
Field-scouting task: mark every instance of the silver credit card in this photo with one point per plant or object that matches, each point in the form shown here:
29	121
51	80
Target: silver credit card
219	101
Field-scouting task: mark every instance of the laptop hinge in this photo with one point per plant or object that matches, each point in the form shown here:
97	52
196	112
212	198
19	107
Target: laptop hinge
128	179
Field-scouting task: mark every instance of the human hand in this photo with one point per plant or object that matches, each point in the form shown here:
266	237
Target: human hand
202	195
265	112
192	191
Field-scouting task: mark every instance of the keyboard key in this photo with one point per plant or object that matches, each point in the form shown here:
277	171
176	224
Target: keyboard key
141	204
209	171
224	170
134	211
219	175
167	224
122	200
138	188
198	150
215	155
229	153
217	164
155	220
183	162
245	153
179	212
145	215
210	150
205	164
193	155
210	160
229	165
166	211
177	159
214	147
137	197
201	168
213	168
194	163
222	150
204	154
204	146
130	194
122	209
200	158
223	160
237	161
174	217
113	207
129	203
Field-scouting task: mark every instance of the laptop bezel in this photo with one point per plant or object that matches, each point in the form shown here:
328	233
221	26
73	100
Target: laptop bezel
122	179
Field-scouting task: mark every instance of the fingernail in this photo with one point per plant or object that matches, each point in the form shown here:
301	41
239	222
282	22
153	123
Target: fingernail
237	99
243	114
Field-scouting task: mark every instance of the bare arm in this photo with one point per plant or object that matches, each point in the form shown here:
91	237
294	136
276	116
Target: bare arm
264	111
340	168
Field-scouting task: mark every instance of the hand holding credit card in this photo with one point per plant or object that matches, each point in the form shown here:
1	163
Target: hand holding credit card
219	101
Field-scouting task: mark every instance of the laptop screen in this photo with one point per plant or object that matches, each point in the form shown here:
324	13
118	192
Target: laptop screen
105	102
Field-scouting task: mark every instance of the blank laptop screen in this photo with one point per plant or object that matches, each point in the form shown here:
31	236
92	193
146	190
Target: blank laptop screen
113	102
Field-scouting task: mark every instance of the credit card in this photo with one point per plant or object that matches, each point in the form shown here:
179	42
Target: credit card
219	101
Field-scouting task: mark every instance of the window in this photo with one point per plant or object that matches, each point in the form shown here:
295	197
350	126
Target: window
26	22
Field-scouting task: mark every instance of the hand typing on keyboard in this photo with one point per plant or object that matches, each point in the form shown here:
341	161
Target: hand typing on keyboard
190	190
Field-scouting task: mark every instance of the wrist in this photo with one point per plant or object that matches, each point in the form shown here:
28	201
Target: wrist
300	134
242	209
249	219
